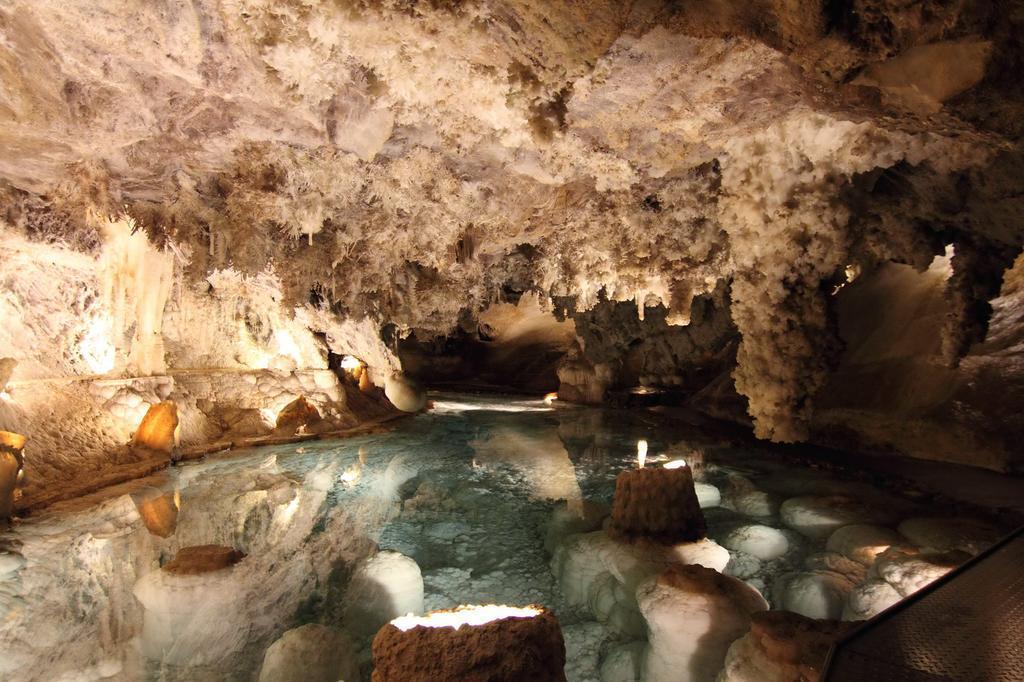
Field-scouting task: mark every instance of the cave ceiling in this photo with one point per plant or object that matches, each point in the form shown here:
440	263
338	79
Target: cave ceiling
411	160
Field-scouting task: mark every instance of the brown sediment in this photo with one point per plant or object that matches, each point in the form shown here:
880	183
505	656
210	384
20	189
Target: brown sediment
503	650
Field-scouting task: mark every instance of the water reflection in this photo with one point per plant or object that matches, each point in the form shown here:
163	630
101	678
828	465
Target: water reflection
477	493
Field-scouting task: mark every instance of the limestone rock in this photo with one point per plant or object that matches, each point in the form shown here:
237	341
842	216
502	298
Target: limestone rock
781	646
7	366
204	591
908	570
657	504
693	615
815	593
624	663
383	587
869	599
580	561
862	542
312	652
12	463
817	517
707	495
405	394
157	430
763	542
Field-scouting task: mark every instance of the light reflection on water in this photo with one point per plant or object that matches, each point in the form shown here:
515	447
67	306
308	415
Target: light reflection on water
466	491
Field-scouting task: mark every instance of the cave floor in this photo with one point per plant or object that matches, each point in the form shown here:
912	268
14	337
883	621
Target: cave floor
473	491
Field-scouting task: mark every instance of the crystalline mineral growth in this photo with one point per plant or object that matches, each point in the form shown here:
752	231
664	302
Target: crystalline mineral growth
136	280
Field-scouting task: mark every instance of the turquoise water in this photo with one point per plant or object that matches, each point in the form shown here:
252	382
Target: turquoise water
468	491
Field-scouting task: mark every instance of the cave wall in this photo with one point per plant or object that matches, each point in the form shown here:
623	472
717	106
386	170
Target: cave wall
893	389
91	340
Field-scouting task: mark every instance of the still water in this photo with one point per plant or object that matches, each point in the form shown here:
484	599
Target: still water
476	492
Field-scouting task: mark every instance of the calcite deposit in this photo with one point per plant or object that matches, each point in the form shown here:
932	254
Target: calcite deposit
246	185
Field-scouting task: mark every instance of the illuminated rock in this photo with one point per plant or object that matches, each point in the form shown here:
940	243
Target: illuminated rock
870	599
297	414
693	614
311	653
573	517
12	462
613	604
707	495
405	394
624	663
497	643
159	511
385	586
908	570
781	646
863	542
156	432
658	504
763	542
815	594
364	381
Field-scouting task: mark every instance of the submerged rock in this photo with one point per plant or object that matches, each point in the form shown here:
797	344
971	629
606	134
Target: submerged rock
757	503
908	570
693	615
311	653
581	516
781	646
816	593
862	542
385	586
763	542
870	599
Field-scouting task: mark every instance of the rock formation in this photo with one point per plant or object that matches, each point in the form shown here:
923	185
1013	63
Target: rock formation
157	429
255	186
